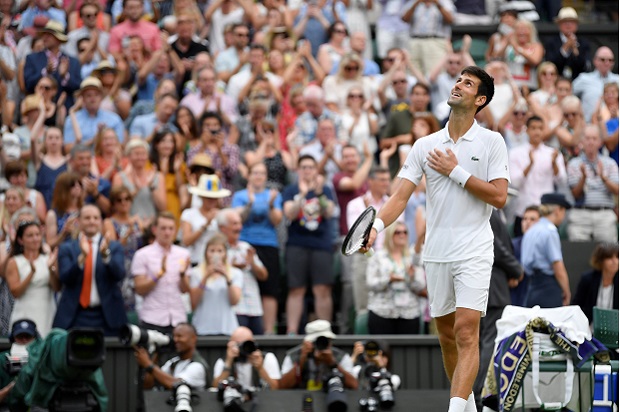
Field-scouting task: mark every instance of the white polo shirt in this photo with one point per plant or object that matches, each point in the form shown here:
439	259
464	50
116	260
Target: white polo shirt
457	225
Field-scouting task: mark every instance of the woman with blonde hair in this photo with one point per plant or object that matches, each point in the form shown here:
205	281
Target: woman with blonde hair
546	75
395	286
349	74
108	154
523	53
215	288
14	199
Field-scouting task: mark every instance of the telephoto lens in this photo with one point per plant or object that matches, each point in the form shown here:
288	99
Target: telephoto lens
307	404
183	397
336	398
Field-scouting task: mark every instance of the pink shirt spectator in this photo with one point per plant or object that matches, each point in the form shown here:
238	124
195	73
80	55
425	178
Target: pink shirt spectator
196	103
147	31
163	305
355	208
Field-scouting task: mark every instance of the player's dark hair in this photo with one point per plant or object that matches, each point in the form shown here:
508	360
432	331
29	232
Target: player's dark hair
534	118
486	87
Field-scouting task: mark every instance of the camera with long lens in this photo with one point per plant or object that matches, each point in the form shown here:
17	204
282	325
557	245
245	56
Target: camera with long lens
380	383
336	398
15	359
131	335
232	394
369	404
321	343
246	349
182	397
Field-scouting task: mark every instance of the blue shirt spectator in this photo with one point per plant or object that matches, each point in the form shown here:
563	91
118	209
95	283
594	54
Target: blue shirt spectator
30	13
314	31
257	228
144	125
541	247
89	125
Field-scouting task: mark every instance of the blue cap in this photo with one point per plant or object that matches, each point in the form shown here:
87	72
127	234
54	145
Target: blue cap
24	326
555	199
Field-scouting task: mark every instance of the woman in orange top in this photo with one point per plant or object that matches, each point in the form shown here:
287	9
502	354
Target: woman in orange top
104	21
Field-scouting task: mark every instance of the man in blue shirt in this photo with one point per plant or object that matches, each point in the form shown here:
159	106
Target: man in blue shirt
145	126
42	8
90	117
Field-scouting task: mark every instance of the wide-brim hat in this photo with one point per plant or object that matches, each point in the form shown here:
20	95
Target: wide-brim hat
318	328
30	103
201	160
55	29
555	199
209	186
567	13
104	65
91	82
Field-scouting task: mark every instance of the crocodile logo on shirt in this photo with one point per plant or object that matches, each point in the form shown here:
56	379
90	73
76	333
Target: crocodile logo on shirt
475	159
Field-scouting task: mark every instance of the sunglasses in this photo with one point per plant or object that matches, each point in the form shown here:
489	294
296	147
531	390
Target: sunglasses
402	81
356	96
123	199
89	16
401	232
351	68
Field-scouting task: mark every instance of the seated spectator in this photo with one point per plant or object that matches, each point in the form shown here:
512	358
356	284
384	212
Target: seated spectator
188	366
86	116
552	112
599	286
258	369
261	89
146	126
16	174
128	231
569	52
331	52
547	75
535	169
32	277
208	99
160	276
134	25
523	53
67	200
512	126
146	184
349	74
307	365
307	123
541	256
243	256
82	304
52	61
593	179
201	164
568	133
397	60
360	123
394	286
215	289
589	86
167	160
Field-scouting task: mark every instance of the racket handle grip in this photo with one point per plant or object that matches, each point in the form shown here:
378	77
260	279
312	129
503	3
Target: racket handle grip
370	253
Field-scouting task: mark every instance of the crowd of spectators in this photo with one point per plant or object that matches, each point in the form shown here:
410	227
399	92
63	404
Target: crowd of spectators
229	145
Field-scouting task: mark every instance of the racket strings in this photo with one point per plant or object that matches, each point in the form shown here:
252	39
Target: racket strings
358	234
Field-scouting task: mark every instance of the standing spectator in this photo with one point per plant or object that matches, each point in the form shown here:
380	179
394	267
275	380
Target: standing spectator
610	98
260	208
185	46
308	205
151	70
429	31
232	60
50	165
147	185
8	73
43	8
391	31
146	126
32	277
358	42
307	123
357	22
77	19
593	179
96	189
108	154
599	286
222	14
16	174
330	53
394	286
98	38
243	256
216	289
52	61
86	116
67	201
160	275
349	74
134	25
541	256
508	16
187	138
314	19
360	123
90	270
523	53
589	86
208	99
530	217
547	75
326	149
198	225
534	169
569	53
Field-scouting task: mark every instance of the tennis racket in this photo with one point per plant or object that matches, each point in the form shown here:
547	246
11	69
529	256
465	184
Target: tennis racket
359	232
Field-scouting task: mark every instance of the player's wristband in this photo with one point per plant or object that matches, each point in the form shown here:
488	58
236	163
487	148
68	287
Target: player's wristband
459	175
378	225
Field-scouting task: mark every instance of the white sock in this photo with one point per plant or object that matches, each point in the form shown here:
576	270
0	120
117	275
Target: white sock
457	404
471	403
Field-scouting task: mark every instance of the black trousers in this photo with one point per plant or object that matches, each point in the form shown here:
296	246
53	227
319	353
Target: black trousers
382	326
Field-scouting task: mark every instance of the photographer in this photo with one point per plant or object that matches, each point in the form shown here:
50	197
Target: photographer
188	366
247	363
23	332
307	365
369	357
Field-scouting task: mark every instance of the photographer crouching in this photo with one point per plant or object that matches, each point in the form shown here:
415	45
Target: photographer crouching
188	366
311	364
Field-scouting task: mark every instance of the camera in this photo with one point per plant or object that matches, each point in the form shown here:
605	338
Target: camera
15	359
246	349
321	343
214	131
380	382
371	349
182	395
369	404
232	394
336	398
131	335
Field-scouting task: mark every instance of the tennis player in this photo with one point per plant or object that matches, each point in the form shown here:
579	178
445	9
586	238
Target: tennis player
466	168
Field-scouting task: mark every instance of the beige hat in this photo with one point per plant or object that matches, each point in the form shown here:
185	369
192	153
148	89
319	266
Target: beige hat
202	159
90	82
567	13
318	328
55	29
30	103
103	66
209	186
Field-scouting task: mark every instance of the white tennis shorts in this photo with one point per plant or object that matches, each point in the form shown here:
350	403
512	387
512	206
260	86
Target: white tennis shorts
463	284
